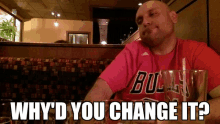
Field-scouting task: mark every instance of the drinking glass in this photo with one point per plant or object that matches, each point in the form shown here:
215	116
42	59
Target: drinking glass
185	86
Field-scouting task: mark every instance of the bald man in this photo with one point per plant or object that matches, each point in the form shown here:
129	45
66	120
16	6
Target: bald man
133	75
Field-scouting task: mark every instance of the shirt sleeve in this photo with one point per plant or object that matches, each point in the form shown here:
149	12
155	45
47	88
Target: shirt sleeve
208	59
120	71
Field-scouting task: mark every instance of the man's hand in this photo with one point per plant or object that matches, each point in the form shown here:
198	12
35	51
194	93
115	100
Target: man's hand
214	116
99	92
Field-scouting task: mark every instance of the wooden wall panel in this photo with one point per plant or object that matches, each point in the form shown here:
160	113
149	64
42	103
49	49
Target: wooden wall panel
192	20
214	16
56	51
179	4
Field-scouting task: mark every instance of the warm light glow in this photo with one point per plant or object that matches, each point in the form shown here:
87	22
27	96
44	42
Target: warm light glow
58	15
139	4
103	42
56	24
52	13
5	17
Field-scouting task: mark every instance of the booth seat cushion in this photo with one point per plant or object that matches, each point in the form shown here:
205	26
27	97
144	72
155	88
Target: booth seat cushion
48	79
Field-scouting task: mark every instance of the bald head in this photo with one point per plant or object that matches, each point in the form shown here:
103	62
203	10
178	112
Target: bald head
155	22
154	4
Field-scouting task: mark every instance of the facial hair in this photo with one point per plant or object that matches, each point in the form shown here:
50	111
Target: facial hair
153	40
158	37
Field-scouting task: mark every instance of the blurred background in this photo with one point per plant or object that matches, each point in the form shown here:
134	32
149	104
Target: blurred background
110	22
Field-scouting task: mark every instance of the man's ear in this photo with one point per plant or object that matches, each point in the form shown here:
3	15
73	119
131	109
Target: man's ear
174	16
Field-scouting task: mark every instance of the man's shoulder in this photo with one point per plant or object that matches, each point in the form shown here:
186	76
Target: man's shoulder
136	50
191	43
136	45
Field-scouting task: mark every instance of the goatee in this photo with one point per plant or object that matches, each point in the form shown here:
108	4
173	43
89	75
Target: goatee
152	42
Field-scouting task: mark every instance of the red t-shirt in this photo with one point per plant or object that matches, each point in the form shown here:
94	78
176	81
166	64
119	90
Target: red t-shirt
137	61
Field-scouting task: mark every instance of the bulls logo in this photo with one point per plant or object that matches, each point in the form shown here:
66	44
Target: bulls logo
152	85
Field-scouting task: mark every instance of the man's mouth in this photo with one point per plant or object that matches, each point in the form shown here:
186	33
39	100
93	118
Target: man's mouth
150	30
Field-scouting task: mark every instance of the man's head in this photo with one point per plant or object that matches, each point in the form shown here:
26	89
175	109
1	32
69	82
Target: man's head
155	22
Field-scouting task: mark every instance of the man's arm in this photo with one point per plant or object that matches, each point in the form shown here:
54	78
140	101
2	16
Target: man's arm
208	59
99	92
214	116
115	77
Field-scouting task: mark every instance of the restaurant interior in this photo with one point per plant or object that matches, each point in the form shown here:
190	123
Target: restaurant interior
54	50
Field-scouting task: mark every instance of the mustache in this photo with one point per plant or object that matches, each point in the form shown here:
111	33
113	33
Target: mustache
149	29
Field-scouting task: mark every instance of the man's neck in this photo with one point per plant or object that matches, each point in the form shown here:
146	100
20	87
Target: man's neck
166	47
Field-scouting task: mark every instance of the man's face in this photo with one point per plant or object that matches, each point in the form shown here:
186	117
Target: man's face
154	23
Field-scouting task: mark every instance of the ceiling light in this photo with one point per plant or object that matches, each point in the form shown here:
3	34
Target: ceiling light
56	24
103	42
139	4
58	15
52	13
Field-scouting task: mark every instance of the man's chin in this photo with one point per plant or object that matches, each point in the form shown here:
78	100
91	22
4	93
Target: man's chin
151	42
150	45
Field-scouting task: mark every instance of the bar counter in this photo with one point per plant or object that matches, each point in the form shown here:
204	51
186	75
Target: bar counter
59	50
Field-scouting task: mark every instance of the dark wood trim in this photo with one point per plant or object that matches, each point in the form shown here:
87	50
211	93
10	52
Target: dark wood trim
78	32
61	45
171	2
208	21
10	13
15	27
187	5
21	31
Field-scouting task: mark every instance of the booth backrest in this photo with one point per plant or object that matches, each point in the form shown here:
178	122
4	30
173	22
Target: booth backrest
26	78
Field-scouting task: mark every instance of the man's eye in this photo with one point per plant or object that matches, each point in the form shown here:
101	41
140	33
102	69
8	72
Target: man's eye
139	21
153	14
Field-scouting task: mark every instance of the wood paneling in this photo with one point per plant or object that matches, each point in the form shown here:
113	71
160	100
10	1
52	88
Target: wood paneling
179	4
214	16
192	20
59	50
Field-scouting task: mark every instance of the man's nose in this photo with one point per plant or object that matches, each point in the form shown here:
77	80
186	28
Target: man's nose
147	22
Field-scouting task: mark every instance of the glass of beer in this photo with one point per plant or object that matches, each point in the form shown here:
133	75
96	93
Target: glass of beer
185	86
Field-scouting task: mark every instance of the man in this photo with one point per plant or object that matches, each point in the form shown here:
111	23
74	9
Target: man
159	49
